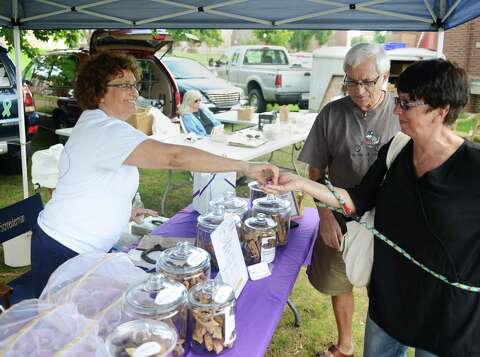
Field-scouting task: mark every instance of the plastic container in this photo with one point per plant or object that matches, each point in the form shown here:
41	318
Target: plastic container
207	223
185	264
16	251
159	298
279	210
141	338
212	317
260	239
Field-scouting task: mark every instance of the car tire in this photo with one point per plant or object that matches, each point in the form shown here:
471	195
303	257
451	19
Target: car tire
11	164
255	99
60	119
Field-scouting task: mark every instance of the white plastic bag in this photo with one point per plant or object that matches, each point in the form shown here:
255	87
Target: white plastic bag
162	125
34	328
211	187
95	282
45	166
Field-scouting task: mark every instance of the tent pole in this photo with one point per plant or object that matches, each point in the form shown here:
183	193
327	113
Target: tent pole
440	39
21	111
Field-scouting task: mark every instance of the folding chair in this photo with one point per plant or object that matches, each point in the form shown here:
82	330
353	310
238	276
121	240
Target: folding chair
15	220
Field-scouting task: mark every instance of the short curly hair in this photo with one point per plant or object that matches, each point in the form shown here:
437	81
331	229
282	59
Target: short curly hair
93	76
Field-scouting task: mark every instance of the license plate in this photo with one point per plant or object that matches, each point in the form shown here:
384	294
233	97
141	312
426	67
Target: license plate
3	147
305	96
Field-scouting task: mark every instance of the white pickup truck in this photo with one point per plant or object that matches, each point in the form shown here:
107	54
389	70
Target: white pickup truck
266	74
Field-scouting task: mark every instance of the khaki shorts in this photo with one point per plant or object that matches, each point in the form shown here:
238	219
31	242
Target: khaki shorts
326	271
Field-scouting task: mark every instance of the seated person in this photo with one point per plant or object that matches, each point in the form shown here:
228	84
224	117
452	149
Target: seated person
196	118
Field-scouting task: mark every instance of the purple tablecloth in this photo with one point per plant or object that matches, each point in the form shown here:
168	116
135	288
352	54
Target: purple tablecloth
261	304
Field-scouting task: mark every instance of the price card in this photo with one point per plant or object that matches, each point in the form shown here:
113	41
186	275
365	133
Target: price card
229	255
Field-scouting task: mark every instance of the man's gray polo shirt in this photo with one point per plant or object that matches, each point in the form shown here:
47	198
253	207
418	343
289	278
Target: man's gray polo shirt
346	142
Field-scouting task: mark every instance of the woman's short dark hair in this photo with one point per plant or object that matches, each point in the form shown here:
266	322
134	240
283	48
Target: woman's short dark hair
93	76
439	83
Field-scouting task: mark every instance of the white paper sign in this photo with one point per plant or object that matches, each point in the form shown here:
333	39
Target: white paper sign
229	255
259	271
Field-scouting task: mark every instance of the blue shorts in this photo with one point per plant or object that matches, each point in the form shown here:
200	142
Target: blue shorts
47	255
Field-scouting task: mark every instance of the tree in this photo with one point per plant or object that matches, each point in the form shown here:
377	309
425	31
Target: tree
323	36
379	36
274	37
70	37
212	37
301	39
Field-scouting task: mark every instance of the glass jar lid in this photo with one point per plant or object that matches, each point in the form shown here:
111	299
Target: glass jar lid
232	204
211	294
213	217
144	337
156	295
253	186
260	222
271	204
183	259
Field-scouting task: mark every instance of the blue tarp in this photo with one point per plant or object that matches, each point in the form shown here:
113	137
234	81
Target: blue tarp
408	15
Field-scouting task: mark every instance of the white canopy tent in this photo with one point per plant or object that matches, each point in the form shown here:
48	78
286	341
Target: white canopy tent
400	15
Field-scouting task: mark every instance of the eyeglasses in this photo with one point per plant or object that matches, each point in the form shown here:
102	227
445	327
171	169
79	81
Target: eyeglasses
127	86
198	100
253	136
406	105
350	84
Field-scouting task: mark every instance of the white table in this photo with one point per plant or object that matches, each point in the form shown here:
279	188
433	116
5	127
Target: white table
231	117
64	132
296	134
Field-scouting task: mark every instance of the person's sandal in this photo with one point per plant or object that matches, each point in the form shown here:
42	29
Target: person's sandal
334	351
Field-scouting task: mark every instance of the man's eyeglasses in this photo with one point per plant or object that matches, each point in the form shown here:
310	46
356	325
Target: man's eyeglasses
128	86
350	84
406	105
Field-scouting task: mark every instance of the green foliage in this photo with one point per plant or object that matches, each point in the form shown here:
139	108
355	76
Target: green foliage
212	37
323	36
70	37
301	39
274	37
379	36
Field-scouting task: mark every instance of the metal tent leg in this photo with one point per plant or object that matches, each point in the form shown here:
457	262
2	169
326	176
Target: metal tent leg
165	193
296	315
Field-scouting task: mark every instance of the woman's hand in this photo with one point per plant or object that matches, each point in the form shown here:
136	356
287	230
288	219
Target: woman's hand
286	182
262	172
138	214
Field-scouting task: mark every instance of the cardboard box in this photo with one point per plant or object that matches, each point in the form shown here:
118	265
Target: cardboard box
142	119
245	113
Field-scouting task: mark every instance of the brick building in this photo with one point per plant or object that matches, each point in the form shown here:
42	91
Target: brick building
462	45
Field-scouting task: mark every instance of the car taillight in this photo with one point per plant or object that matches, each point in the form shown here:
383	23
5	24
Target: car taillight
32	129
278	81
177	99
28	104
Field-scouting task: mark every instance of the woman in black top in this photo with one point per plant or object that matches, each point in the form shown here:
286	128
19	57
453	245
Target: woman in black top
429	205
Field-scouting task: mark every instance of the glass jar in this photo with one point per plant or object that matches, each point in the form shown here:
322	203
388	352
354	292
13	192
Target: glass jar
185	263
279	210
159	298
212	318
259	239
141	338
255	192
233	205
207	223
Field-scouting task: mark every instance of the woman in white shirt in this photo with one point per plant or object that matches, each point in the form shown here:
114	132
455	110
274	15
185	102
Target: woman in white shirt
98	169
